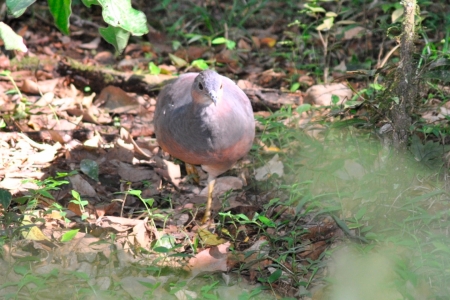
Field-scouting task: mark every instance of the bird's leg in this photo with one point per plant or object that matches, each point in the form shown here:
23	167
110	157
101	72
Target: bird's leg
207	215
191	170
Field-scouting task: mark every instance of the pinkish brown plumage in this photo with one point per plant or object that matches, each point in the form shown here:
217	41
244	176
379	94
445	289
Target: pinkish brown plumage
205	119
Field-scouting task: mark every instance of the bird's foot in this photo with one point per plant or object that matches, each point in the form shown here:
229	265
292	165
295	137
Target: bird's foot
192	171
207	214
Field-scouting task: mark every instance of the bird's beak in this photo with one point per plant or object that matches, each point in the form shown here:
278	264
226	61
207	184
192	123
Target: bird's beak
214	97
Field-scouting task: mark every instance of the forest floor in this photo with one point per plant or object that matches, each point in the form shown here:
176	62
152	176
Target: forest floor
93	208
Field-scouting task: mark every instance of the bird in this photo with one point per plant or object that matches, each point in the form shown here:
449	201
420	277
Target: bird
205	119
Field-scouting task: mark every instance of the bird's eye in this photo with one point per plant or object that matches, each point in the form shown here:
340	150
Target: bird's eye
200	86
221	86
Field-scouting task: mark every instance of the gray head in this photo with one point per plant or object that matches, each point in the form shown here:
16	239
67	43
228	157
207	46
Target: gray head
207	88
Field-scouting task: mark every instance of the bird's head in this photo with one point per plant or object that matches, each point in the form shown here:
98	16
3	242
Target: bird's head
207	88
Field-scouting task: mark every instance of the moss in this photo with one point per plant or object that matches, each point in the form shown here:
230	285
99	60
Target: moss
26	63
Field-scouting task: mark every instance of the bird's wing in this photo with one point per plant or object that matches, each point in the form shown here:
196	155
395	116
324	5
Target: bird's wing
176	93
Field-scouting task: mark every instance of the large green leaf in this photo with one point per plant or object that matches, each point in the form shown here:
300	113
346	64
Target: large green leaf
5	198
119	13
88	3
61	11
11	39
115	36
90	168
17	7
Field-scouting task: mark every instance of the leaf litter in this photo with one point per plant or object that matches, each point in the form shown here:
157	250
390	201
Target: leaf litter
67	125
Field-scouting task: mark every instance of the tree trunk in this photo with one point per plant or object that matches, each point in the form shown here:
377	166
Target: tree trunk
406	90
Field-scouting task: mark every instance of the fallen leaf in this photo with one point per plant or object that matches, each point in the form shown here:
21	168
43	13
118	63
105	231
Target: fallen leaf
105	57
43	157
242	44
321	94
355	32
32	233
75	208
92	45
134	174
172	172
117	223
108	209
186	295
46	99
209	260
268	41
33	87
273	166
351	170
141	234
224	184
117	101
210	239
179	62
82	186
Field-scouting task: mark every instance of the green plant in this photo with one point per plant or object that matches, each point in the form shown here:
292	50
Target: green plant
206	290
81	203
221	40
121	18
45	186
11	39
21	109
154	69
60	209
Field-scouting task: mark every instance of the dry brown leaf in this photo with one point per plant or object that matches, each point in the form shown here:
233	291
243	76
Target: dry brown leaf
46	99
322	94
141	235
227	56
34	234
142	124
107	209
256	41
33	87
29	86
104	57
115	100
273	166
5	63
145	146
351	170
271	78
92	44
268	41
116	223
209	260
354	32
242	44
87	101
43	157
313	251
75	208
224	184
18	184
306	79
93	142
191	53
185	295
210	239
135	174
83	187
172	172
